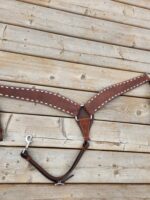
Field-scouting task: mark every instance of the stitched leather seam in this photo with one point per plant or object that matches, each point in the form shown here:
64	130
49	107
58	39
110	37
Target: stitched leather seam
117	84
37	101
118	94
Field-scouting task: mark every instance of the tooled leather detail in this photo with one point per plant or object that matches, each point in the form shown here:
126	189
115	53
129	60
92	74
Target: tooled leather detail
84	120
44	97
111	92
83	114
85	125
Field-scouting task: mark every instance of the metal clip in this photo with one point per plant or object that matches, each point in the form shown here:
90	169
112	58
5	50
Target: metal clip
28	142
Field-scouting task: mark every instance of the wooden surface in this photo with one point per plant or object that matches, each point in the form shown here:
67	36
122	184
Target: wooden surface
75	47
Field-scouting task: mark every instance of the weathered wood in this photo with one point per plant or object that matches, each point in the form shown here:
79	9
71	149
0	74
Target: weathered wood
94	167
64	132
103	9
48	19
74	192
139	3
33	42
60	131
63	74
125	109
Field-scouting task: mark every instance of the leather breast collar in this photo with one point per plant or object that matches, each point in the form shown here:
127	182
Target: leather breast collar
84	114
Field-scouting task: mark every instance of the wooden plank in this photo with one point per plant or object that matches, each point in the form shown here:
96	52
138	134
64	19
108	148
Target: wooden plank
104	166
47	19
33	42
20	68
139	3
104	9
64	133
74	192
125	109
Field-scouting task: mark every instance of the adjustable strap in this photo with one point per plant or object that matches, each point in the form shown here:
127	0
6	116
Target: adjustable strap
109	93
61	179
44	97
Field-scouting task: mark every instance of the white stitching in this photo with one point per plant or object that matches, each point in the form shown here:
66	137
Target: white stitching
37	101
37	90
57	94
118	84
107	100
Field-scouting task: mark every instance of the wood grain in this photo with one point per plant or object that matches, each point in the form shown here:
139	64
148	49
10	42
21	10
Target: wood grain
47	19
74	192
103	9
65	46
123	109
94	167
33	42
64	133
20	68
139	3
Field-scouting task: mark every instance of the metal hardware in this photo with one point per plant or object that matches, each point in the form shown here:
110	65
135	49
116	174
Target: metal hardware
28	142
76	117
59	183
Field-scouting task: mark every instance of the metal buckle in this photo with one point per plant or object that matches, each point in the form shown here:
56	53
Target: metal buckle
28	142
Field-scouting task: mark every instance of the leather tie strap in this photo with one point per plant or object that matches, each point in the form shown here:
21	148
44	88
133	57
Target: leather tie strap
60	179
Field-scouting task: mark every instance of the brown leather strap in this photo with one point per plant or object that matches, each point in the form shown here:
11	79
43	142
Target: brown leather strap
61	179
68	106
44	97
84	121
111	92
83	114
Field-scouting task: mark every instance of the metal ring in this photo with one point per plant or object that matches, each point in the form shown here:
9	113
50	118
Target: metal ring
76	117
59	183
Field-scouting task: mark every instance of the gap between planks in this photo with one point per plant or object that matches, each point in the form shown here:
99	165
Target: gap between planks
128	109
130	38
76	50
75	191
105	167
84	10
138	4
128	69
78	76
64	133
